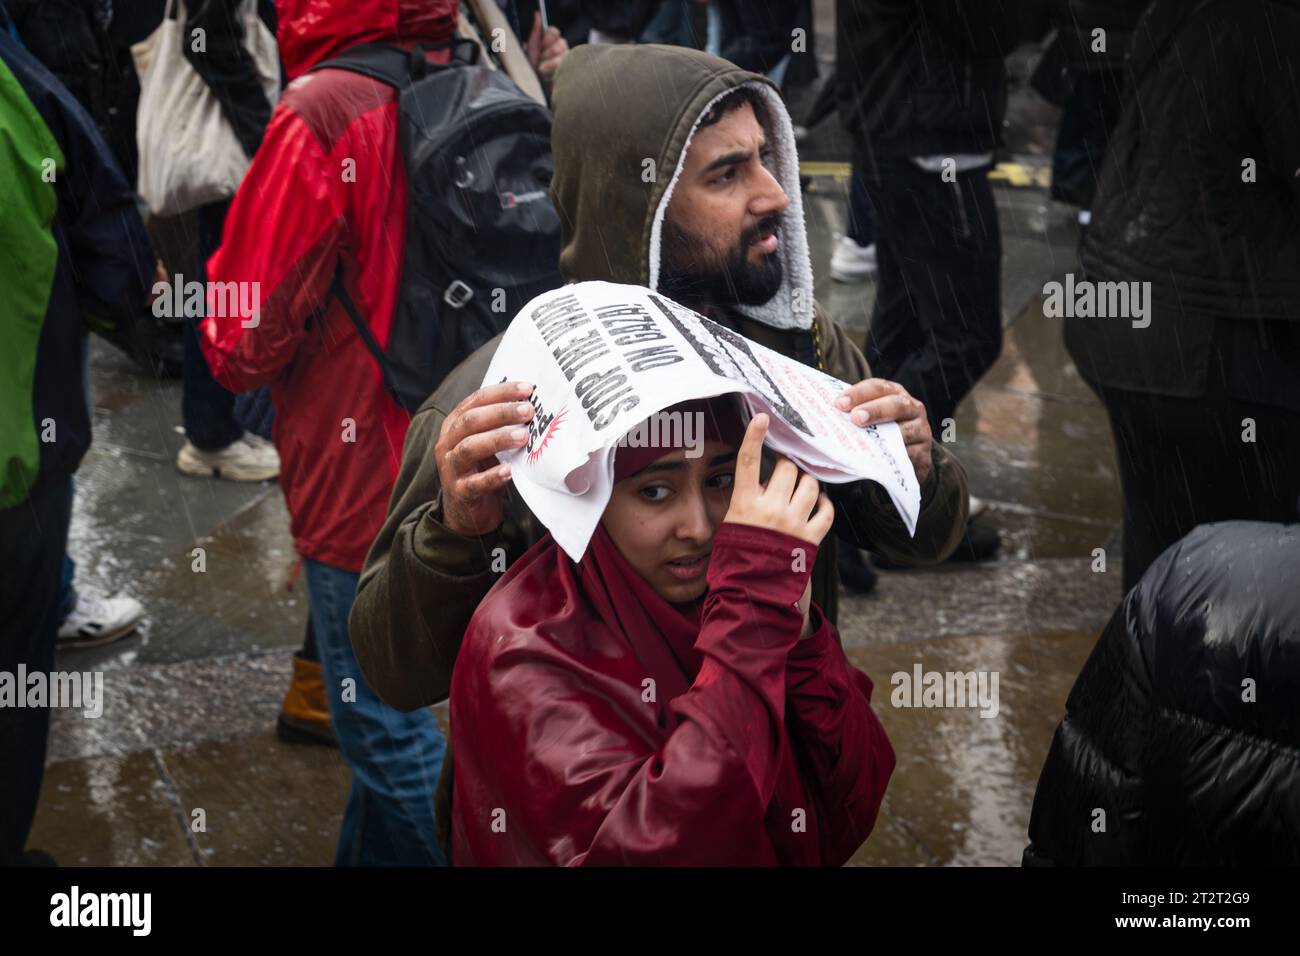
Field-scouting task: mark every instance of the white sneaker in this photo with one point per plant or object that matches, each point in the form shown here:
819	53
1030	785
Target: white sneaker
249	458
851	262
96	620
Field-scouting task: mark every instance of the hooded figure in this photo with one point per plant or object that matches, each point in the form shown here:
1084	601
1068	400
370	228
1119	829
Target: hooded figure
1183	728
617	712
624	120
613	183
328	188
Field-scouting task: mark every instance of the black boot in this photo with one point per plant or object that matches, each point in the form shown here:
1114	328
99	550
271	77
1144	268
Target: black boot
856	572
977	544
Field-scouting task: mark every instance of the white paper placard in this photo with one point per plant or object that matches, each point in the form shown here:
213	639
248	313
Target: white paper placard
605	357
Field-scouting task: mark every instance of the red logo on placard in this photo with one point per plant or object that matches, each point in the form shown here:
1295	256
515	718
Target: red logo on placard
542	428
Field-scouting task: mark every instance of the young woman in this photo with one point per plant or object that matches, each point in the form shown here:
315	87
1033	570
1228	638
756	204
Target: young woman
672	698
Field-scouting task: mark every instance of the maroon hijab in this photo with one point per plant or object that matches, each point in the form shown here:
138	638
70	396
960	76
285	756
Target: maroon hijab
662	635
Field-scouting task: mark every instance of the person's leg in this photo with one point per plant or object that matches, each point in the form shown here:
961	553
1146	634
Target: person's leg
304	716
1266	471
395	757
67	589
217	445
861	223
308	651
1073	175
671	25
777	73
87	619
1149	510
207	409
1183	462
713	37
937	324
854	256
33	539
67	582
895	332
944	239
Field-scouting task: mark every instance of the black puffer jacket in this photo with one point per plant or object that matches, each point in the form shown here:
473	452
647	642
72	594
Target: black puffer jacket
1159	733
923	77
1214	85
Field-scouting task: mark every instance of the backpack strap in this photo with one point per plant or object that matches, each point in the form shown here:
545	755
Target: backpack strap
363	330
396	67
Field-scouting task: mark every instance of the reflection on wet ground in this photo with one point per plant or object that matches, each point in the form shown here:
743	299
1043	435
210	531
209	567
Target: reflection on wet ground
191	701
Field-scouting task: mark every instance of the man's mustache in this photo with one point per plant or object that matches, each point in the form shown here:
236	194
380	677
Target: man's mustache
765	225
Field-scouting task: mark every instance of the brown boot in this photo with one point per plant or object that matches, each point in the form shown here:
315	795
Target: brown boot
304	715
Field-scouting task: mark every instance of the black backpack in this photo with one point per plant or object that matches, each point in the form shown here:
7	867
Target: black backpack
482	236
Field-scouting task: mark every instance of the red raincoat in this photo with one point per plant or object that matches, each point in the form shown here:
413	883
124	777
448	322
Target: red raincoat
750	747
326	187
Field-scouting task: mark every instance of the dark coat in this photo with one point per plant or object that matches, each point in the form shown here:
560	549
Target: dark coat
1191	764
69	42
101	273
749	724
1212	84
1115	18
924	77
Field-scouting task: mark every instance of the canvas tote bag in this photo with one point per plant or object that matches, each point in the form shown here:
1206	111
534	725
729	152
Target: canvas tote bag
189	155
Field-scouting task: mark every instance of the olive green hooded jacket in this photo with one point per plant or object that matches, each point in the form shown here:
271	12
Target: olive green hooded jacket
623	119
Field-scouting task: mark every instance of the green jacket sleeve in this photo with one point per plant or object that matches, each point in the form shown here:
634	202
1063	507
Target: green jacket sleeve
864	515
420	584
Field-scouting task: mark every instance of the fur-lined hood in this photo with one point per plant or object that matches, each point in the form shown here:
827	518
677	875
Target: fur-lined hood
624	118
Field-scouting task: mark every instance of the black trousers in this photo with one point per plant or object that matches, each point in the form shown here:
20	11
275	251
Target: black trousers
33	536
207	409
1183	463
937	325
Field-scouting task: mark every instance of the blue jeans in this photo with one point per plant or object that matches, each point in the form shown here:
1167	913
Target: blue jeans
395	758
670	25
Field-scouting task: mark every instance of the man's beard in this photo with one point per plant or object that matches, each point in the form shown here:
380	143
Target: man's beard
689	272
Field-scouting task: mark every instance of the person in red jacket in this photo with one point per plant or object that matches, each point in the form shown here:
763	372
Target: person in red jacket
326	192
674	697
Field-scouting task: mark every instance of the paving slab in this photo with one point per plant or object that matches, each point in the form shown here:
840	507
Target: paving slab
964	783
115	810
263	803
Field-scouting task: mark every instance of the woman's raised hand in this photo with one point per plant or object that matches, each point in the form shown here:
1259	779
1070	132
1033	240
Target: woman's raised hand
791	502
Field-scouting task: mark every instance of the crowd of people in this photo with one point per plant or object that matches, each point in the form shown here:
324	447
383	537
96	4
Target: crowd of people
429	578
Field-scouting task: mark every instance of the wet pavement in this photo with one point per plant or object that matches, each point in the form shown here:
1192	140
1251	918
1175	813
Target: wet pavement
187	732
